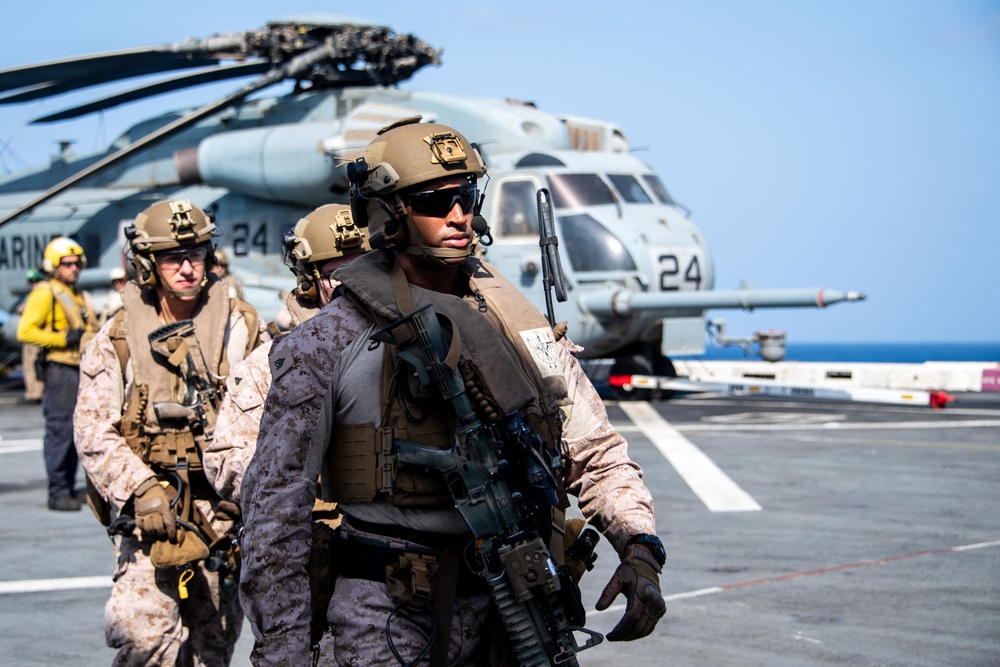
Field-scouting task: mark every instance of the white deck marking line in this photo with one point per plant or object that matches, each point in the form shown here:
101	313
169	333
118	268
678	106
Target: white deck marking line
709	483
795	575
22	445
45	585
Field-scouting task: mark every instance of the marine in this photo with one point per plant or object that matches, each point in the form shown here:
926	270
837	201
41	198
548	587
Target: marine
339	405
151	383
321	242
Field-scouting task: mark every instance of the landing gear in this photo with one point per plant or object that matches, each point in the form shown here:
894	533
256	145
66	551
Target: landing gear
635	364
643	360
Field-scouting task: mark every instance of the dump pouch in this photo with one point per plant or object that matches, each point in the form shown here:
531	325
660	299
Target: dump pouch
98	505
189	548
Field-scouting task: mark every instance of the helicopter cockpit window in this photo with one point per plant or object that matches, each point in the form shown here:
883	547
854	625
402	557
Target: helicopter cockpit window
579	190
590	246
518	210
653	181
629	189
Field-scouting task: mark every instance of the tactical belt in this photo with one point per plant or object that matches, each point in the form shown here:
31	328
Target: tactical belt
367	558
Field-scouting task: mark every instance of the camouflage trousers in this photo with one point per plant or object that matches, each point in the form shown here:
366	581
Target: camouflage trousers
358	614
149	624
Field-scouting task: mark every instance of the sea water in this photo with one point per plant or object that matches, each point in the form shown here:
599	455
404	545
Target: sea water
897	353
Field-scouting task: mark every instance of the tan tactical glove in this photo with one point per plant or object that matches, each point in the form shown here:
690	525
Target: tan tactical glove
153	514
638	579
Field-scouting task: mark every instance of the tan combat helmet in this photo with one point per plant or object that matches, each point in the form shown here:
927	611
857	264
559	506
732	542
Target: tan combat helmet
402	157
164	226
324	234
221	258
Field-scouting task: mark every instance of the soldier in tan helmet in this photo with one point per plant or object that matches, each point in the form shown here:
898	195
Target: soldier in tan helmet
341	405
151	383
220	267
321	242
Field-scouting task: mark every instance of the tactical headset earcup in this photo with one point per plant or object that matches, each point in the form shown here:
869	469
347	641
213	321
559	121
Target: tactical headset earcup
391	236
307	289
395	232
146	272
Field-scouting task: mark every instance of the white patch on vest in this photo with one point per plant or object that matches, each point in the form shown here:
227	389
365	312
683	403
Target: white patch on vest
546	353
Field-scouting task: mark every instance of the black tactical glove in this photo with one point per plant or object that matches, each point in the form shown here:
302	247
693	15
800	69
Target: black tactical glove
638	579
153	514
73	337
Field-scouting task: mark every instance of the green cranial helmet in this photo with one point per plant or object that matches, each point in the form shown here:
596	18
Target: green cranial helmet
401	158
326	233
165	226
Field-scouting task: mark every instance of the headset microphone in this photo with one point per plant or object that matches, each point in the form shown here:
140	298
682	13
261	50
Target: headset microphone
482	229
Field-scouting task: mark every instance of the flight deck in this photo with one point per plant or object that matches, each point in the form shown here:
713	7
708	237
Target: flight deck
798	532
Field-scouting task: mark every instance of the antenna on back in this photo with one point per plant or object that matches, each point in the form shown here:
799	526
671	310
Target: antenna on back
552	273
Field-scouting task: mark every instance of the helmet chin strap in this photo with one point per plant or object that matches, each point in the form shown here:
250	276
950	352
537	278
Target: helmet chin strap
180	294
442	256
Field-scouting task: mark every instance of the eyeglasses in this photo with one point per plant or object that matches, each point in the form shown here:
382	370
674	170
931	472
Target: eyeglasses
71	263
175	258
438	203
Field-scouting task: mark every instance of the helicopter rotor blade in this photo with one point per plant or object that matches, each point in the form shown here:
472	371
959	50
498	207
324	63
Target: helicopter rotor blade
68	85
157	88
297	67
84	71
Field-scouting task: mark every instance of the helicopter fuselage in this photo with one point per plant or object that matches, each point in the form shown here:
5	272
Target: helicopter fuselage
259	166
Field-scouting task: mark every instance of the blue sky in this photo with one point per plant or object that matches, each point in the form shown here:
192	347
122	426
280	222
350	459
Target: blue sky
852	145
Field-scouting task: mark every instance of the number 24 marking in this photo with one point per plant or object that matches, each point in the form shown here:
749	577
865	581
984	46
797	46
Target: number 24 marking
242	239
671	268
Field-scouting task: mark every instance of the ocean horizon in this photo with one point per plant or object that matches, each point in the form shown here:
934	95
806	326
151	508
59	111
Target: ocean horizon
897	353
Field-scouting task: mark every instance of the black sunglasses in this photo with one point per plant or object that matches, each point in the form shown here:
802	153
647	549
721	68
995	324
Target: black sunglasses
438	203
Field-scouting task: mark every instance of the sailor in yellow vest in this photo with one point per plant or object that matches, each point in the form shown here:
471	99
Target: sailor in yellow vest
151	383
340	406
56	316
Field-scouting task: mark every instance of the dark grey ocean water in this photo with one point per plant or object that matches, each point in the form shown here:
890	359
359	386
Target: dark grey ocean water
875	352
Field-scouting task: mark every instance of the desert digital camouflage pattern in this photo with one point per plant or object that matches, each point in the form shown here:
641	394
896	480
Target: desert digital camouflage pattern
227	456
144	618
279	488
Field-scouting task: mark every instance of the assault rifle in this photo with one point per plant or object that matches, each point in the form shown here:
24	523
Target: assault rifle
177	342
500	480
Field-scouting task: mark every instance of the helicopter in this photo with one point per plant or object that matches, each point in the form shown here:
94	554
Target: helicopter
637	275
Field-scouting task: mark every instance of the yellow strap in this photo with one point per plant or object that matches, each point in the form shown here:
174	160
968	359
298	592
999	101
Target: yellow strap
182	583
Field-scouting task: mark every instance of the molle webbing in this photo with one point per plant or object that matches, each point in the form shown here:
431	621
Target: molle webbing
156	380
365	279
359	462
163	382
